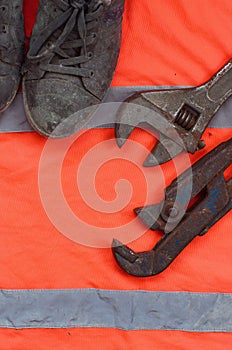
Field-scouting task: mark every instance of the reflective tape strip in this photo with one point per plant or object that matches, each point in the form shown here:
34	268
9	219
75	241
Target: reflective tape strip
127	310
14	119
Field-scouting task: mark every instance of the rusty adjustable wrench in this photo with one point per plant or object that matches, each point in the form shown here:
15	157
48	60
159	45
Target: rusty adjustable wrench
187	111
181	226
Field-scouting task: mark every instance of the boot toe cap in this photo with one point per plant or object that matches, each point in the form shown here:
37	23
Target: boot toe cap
56	108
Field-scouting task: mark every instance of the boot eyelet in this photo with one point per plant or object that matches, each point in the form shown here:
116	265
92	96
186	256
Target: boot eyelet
94	35
90	55
49	44
4	29
91	74
4	8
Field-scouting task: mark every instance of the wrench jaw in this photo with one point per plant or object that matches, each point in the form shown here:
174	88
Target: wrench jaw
142	264
159	155
163	151
137	110
131	113
135	264
150	216
129	117
122	133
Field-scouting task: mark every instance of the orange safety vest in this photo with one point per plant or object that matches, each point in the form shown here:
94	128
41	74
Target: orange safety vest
56	293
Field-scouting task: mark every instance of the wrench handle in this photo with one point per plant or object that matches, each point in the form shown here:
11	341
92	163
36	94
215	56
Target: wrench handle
220	86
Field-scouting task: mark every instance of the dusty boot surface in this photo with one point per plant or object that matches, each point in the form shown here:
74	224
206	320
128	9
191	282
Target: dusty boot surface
72	56
11	49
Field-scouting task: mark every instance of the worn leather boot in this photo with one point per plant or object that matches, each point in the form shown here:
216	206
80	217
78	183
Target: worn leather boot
11	49
72	56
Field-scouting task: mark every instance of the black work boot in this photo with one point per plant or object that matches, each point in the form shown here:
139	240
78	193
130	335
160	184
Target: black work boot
11	49
72	56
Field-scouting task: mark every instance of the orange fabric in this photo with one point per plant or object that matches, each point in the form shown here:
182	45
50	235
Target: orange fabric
98	339
164	43
174	42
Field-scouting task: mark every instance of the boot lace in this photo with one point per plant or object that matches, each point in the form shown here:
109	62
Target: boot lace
71	43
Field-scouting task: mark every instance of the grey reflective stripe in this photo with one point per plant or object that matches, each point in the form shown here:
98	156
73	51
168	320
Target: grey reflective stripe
14	119
127	310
